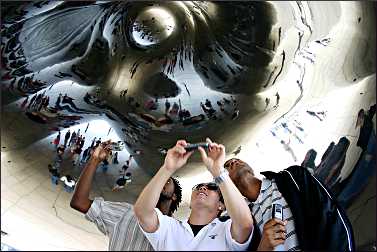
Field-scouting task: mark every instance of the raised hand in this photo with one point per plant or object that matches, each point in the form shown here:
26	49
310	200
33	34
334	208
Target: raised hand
177	156
102	151
215	159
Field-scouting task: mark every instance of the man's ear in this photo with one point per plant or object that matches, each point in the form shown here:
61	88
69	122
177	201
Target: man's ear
221	206
174	197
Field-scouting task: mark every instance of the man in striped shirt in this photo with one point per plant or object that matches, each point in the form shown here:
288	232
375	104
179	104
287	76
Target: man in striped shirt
276	234
117	219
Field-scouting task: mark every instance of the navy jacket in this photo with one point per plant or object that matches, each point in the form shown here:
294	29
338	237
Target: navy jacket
320	222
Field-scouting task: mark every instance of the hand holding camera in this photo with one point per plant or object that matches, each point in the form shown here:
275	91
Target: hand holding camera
195	146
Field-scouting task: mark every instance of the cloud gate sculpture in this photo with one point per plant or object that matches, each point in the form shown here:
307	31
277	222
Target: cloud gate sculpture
168	70
163	70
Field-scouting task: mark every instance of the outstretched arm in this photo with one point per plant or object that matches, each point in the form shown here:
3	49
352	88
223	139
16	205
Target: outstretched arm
242	222
80	199
176	157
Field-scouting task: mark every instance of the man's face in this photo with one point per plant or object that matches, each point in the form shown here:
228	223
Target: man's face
206	195
168	189
239	173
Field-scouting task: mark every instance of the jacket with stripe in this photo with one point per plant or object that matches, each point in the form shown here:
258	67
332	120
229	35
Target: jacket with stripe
320	222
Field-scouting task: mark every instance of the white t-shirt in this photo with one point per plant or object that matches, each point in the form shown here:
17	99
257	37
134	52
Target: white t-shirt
177	235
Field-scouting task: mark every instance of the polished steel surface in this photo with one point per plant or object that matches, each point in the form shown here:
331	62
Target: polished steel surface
160	70
148	49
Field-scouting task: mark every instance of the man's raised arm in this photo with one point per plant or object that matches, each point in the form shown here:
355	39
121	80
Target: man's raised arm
176	157
80	199
237	208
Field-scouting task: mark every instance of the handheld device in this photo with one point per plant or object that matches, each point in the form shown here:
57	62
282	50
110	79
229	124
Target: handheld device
277	211
195	146
117	146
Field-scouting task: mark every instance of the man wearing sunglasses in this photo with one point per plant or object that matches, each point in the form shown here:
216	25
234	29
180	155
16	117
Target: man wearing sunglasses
202	230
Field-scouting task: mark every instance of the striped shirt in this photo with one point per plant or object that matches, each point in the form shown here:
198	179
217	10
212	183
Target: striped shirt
118	221
262	212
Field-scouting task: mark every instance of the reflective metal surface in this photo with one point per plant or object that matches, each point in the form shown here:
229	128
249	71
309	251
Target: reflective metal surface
161	70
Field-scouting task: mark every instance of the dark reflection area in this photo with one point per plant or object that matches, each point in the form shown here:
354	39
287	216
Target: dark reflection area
160	86
238	45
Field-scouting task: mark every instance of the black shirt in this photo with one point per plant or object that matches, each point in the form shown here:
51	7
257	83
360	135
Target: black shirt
195	228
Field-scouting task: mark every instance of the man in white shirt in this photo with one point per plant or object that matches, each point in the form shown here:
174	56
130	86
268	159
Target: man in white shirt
202	230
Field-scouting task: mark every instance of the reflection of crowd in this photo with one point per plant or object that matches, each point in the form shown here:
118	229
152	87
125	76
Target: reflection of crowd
73	145
333	160
211	112
175	113
183	52
144	29
38	109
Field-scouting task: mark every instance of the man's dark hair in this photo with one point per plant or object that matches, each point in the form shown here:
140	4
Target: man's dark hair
178	193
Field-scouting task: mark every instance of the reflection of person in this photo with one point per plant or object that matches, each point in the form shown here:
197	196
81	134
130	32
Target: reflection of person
54	174
314	221
366	127
58	158
289	149
121	181
277	99
361	174
56	140
66	137
331	166
117	219
309	160
69	183
206	204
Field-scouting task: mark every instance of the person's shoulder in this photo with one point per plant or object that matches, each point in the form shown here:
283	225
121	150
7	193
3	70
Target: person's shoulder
224	218
220	221
115	205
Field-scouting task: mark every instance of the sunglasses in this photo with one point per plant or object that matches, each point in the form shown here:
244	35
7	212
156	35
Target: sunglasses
209	186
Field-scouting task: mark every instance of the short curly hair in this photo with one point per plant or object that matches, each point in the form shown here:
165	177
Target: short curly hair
178	193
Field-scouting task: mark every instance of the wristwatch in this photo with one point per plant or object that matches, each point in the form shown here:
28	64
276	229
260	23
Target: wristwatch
223	174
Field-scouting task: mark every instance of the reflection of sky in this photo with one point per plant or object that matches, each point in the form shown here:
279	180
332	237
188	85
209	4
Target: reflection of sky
164	23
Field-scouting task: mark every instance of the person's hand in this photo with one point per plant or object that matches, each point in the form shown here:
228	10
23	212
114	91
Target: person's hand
101	152
177	156
215	159
274	233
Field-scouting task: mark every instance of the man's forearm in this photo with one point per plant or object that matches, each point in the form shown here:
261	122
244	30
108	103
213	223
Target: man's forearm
148	198
237	209
80	199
